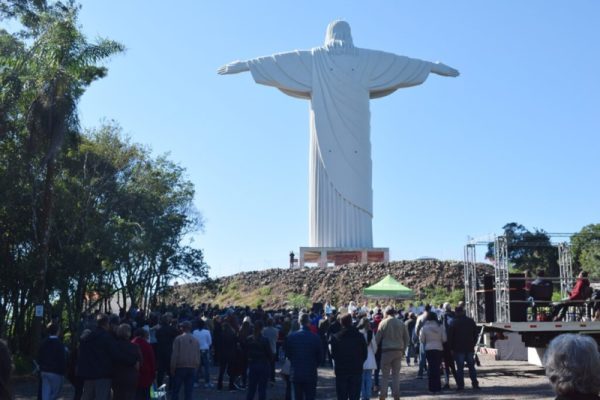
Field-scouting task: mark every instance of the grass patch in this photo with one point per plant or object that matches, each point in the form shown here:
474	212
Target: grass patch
232	287
439	295
298	301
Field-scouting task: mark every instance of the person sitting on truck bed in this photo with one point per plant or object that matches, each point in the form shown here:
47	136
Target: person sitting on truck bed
572	363
540	292
541	288
581	291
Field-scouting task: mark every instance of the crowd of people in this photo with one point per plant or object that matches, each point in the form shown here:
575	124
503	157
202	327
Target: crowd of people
127	356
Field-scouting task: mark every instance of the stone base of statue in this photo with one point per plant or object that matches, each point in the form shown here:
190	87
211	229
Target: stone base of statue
324	256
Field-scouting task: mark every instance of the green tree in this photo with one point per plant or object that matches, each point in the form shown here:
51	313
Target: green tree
83	216
528	250
49	66
122	220
585	246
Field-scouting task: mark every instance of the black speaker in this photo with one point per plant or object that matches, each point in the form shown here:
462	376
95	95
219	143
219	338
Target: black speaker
489	298
516	285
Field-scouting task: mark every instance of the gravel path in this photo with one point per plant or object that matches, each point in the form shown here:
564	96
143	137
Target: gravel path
498	380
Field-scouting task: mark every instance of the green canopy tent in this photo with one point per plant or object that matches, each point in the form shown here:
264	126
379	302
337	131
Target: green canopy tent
388	287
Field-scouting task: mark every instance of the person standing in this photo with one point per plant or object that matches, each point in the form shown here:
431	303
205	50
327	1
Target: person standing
217	339
271	333
433	337
240	365
303	349
328	309
323	330
449	365
260	355
148	365
349	351
125	375
165	335
98	352
334	327
370	363
185	358
205	341
228	345
411	351
52	360
392	338
419	324
462	337
377	318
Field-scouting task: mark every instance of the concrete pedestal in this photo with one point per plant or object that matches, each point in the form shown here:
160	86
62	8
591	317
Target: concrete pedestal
324	256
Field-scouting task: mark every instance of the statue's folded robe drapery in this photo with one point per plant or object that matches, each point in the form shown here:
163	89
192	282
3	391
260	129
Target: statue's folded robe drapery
339	84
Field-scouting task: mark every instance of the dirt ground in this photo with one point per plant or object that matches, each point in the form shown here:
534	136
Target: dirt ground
498	380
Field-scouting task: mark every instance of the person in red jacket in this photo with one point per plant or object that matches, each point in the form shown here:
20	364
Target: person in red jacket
581	291
148	366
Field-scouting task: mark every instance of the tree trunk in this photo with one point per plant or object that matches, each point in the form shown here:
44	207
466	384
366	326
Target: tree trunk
39	294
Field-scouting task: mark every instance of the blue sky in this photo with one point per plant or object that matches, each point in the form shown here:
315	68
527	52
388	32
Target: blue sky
514	138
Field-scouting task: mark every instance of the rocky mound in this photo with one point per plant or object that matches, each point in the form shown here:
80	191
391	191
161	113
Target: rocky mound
275	288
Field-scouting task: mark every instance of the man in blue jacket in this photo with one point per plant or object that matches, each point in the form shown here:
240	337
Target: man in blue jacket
97	353
303	348
462	338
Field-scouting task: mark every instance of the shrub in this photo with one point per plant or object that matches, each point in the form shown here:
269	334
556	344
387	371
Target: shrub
439	295
298	300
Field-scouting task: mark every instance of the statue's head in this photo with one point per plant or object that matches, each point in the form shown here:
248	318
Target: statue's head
339	36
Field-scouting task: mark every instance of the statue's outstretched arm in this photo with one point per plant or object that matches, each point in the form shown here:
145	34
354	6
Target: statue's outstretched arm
444	70
234	68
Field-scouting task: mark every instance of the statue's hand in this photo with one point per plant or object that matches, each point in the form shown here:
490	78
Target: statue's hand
444	70
233	68
452	72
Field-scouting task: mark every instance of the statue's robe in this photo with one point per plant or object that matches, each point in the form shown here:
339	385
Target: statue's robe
339	83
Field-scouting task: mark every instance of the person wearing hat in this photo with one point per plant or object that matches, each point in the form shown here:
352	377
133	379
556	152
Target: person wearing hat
392	338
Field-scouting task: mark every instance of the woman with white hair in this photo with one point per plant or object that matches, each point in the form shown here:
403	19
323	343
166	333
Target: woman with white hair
572	363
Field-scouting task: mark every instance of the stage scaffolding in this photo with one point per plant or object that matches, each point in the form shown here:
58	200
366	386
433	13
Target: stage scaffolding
474	301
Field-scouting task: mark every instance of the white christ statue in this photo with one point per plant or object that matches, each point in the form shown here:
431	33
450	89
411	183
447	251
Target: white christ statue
339	80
